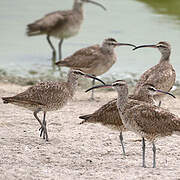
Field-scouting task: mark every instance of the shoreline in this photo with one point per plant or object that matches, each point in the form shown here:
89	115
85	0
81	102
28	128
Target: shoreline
74	151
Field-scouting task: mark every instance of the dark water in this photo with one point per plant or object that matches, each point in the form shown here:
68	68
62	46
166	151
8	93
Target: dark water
138	22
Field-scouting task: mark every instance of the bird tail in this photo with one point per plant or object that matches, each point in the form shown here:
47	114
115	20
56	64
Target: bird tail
62	63
33	29
85	118
7	100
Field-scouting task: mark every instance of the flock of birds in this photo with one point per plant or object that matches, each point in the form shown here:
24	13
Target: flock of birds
140	112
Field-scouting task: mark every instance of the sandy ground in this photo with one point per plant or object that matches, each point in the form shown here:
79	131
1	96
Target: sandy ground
78	152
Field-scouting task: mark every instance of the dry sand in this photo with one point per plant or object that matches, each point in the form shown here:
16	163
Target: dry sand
78	152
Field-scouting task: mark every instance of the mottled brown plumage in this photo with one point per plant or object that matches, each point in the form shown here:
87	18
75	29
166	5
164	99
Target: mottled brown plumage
145	119
162	75
108	114
60	24
47	96
96	59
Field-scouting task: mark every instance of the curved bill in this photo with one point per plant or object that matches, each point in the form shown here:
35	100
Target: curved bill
126	44
158	90
96	3
99	86
137	47
93	77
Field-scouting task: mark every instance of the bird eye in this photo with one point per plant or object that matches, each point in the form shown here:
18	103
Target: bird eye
161	46
151	89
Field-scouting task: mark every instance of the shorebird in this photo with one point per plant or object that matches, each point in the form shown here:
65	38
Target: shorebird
147	120
60	24
96	59
162	75
47	96
108	114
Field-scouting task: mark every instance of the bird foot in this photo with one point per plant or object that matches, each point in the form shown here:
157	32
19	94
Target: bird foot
44	133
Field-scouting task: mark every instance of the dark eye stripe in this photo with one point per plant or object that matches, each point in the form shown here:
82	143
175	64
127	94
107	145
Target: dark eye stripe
162	46
151	89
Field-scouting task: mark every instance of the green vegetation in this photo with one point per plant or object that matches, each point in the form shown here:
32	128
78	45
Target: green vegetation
169	7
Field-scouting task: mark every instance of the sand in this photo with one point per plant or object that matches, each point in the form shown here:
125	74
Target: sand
78	152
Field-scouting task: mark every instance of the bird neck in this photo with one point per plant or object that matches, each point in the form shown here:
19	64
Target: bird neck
78	7
122	99
107	49
165	57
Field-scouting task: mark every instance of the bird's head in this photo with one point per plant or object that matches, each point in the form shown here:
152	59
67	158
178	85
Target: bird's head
79	3
111	43
76	74
163	46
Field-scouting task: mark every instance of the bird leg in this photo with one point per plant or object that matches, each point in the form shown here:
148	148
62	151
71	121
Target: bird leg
35	115
42	128
45	135
143	148
159	104
53	53
121	140
92	95
154	155
60	47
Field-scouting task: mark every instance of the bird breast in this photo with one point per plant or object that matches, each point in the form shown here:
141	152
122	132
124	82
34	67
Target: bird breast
104	65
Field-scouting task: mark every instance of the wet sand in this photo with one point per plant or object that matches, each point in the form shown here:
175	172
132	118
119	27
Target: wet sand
78	152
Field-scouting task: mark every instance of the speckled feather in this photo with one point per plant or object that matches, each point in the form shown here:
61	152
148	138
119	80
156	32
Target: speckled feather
94	59
47	96
108	114
150	121
147	120
61	24
162	75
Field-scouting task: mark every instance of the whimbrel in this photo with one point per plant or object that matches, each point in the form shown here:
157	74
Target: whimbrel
94	59
60	24
47	96
108	114
147	120
162	75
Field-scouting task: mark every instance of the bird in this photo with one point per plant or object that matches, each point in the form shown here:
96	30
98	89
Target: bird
96	59
108	114
149	121
162	75
47	96
60	24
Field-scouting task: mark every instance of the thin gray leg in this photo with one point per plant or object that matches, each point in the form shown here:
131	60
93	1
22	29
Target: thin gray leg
41	124
154	154
159	104
42	128
121	140
54	51
92	95
45	135
143	148
60	48
35	115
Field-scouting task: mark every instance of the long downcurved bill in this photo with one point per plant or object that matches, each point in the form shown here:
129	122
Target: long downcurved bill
96	3
137	47
126	44
100	86
93	77
158	90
